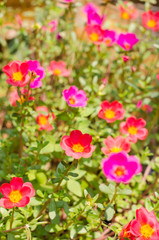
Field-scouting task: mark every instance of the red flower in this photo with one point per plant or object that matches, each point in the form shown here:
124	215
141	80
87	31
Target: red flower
95	33
43	118
134	128
17	72
125	233
77	145
150	20
146	226
116	145
111	111
58	69
16	193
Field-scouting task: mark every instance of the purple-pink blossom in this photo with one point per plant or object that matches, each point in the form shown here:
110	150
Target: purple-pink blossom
127	41
120	167
109	37
75	97
37	71
93	16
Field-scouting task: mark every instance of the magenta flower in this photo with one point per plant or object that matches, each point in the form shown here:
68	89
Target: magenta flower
93	16
127	41
109	37
75	97
125	58
120	167
37	71
53	24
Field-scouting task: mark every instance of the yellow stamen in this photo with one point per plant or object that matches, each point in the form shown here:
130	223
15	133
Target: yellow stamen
115	149
125	15
132	130
151	23
146	231
94	37
120	170
21	100
17	76
57	72
42	120
72	100
15	196
78	147
127	46
109	114
108	41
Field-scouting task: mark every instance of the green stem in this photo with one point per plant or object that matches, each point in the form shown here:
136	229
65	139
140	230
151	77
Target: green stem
12	218
57	188
114	196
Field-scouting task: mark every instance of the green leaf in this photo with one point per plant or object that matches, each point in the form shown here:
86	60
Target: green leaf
73	174
34	202
10	236
109	212
74	187
52	209
148	204
73	232
41	177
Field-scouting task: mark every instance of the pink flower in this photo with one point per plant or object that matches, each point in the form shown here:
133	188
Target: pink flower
120	167
16	193
157	76
116	145
139	104
125	58
53	24
134	128
17	73
128	11
37	73
127	41
58	69
109	37
111	111
95	33
18	19
68	1
104	81
147	108
150	20
75	97
93	16
43	118
126	234
77	145
24	95
146	226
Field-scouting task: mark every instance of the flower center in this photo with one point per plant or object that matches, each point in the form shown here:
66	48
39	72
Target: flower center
57	72
132	130
119	171
127	46
72	100
115	149
42	120
17	76
146	230
78	147
126	234
21	100
108	41
109	114
125	15
15	196
94	37
151	23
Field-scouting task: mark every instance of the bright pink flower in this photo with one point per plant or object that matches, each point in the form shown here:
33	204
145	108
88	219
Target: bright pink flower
157	76
126	234
24	95
146	226
109	37
128	11
104	81
77	145
53	24
58	69
93	16
116	145
18	19
125	58
134	128
37	73
120	167
111	111
95	33
17	72
127	41
16	193
43	118
68	1
150	20
75	97
139	104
